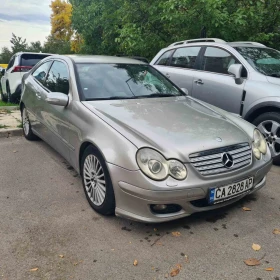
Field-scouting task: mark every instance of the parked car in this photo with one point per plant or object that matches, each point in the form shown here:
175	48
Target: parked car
143	59
144	149
19	64
240	77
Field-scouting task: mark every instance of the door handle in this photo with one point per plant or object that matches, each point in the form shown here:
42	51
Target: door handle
199	82
167	75
38	96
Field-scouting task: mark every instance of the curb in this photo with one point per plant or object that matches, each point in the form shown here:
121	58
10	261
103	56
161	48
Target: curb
7	133
9	107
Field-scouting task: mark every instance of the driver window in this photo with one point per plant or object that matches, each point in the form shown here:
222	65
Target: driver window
58	78
40	73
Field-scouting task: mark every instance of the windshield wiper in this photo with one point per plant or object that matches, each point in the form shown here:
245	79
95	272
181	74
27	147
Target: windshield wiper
111	98
276	75
158	95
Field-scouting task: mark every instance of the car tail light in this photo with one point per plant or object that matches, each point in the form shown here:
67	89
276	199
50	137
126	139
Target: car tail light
21	69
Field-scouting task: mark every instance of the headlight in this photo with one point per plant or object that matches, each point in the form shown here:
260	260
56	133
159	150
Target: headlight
155	166
177	169
259	144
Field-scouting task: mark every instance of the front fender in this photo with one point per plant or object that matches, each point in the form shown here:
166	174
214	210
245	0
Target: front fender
270	101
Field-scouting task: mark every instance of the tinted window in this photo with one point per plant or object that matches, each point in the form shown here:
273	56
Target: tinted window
164	58
41	73
217	60
123	81
185	57
58	78
31	59
11	63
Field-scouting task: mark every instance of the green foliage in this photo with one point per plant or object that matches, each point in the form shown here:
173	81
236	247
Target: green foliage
18	44
142	27
5	55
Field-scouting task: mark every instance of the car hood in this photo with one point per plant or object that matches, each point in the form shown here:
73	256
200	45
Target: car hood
176	126
273	80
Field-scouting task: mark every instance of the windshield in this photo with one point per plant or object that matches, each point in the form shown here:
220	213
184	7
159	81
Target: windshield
264	60
123	81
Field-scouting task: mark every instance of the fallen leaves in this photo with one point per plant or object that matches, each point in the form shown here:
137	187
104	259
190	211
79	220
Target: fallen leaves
256	247
252	262
135	263
246	209
276	231
269	269
176	233
176	270
34	269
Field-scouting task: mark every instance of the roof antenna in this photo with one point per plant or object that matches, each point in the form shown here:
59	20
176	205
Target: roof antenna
203	32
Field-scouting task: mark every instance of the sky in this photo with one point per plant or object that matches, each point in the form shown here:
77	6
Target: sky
29	19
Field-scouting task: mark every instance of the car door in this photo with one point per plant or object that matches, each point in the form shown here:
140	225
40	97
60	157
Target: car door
54	124
181	66
6	77
213	84
32	93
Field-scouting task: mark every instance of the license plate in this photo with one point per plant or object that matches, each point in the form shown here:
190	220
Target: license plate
221	194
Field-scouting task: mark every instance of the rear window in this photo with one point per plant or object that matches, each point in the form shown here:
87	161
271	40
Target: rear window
31	59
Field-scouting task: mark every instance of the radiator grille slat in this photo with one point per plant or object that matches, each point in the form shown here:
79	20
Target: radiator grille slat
211	163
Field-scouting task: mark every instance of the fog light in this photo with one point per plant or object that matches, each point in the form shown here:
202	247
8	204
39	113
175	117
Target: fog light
165	208
159	207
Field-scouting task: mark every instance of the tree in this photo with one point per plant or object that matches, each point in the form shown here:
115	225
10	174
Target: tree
142	27
5	55
35	47
61	20
18	44
56	46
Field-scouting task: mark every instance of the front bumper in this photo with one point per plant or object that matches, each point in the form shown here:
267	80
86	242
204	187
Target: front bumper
135	193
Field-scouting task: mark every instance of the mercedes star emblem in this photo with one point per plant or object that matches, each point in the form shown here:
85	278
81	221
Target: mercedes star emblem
227	160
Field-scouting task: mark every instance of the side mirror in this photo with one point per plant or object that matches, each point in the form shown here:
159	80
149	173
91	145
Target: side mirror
235	70
185	91
57	98
3	72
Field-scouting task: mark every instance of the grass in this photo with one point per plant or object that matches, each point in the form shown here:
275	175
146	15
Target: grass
20	125
2	103
3	126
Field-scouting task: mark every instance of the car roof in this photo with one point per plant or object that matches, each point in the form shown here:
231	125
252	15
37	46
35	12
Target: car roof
245	45
21	53
103	59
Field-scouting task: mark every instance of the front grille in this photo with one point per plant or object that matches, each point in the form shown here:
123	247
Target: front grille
210	162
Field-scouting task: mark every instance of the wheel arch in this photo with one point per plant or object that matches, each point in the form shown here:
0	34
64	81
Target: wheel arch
261	109
82	149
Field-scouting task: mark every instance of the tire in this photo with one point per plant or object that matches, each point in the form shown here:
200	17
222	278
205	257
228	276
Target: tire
2	95
26	126
8	92
269	125
97	182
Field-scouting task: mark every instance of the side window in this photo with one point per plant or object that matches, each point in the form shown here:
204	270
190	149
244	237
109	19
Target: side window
164	58
217	60
58	78
185	57
11	62
40	73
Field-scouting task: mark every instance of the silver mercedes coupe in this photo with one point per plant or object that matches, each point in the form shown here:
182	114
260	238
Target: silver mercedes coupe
145	150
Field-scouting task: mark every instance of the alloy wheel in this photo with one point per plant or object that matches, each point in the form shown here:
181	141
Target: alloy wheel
25	122
94	180
271	131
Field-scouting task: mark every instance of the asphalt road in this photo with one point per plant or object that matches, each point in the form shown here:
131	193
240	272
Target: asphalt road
44	215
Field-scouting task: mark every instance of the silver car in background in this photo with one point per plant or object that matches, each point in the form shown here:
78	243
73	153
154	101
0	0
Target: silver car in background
239	77
145	150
